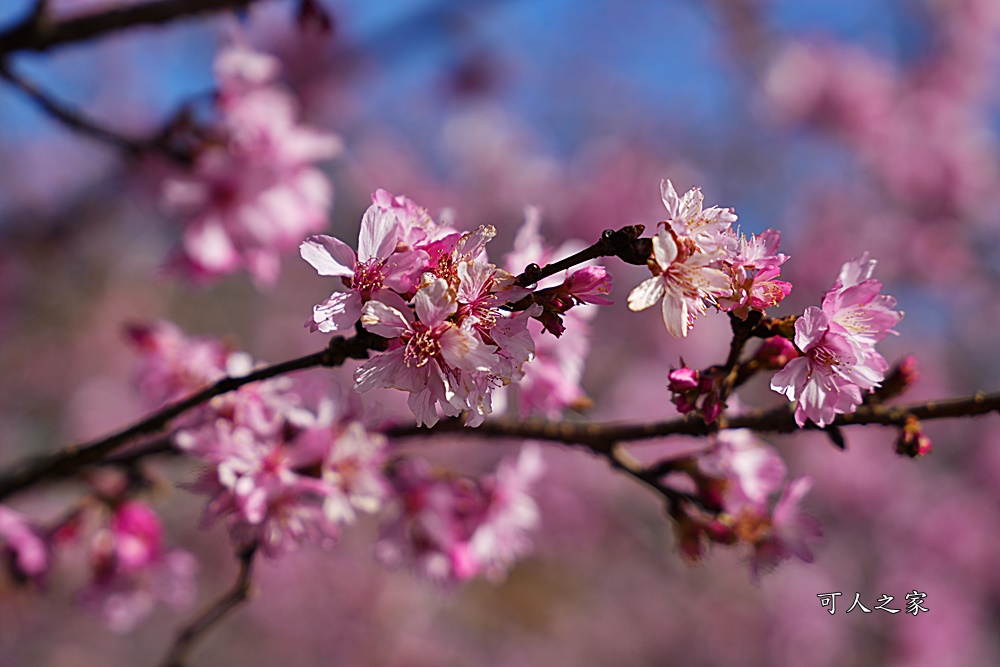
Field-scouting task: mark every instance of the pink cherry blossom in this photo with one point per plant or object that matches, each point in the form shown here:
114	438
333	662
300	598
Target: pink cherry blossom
25	546
589	285
451	529
173	365
291	484
837	342
687	219
753	267
752	469
790	532
831	373
361	276
682	279
512	513
429	351
132	571
253	191
855	306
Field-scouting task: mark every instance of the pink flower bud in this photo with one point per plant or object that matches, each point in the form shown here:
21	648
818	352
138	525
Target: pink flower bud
683	379
138	535
26	551
712	408
775	352
719	532
589	284
912	441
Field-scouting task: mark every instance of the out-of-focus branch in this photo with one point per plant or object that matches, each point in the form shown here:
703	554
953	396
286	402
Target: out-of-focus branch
68	461
209	618
41	32
77	122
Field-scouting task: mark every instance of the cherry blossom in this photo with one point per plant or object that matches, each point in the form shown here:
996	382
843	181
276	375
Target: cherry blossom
24	545
429	353
292	484
682	279
855	306
173	364
132	570
752	470
830	375
753	268
362	276
837	342
253	191
788	532
451	529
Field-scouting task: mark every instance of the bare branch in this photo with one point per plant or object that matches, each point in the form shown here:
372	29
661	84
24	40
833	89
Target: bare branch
77	122
38	32
623	243
601	437
209	618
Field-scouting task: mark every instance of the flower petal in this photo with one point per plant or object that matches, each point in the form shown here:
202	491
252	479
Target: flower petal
646	293
329	256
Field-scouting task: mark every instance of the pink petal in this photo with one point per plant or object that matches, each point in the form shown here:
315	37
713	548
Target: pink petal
329	256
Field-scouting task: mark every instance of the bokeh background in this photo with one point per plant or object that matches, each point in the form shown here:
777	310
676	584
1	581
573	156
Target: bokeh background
858	125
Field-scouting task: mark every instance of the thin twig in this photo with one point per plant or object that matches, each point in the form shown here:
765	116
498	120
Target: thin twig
69	460
221	608
39	32
76	121
623	243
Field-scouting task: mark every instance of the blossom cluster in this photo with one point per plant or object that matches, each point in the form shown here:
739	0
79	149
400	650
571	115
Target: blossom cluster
700	261
736	481
252	192
451	528
838	361
279	474
122	543
132	570
452	319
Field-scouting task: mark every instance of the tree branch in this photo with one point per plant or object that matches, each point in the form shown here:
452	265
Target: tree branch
39	32
205	621
68	461
623	243
601	437
77	122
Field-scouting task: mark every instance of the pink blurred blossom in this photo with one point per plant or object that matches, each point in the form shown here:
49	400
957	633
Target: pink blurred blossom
451	529
132	571
24	546
253	192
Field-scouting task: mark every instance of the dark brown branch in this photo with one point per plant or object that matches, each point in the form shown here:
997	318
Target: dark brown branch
70	460
39	32
206	620
77	122
601	437
623	243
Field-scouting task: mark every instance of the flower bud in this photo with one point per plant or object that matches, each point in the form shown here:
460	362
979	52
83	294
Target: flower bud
912	441
683	379
775	352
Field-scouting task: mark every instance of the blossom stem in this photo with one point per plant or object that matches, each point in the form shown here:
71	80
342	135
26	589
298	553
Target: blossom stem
235	596
623	243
